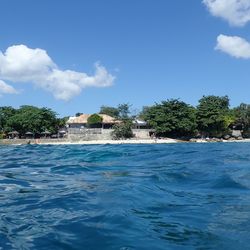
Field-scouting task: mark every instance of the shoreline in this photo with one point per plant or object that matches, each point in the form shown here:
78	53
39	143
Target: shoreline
106	142
82	142
115	142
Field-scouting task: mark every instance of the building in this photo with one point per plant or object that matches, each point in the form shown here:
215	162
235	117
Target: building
81	122
79	129
140	124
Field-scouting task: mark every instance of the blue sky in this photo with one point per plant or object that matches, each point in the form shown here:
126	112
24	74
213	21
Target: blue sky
156	50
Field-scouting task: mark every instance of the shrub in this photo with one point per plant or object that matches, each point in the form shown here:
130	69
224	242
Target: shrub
94	119
123	130
2	135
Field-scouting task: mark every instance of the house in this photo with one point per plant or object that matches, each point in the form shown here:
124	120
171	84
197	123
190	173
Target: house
79	129
142	130
81	122
140	124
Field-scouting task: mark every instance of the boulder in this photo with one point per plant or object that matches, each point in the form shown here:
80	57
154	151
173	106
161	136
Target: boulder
236	133
226	137
192	140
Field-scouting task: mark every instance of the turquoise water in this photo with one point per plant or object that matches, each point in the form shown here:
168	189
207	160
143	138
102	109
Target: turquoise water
174	196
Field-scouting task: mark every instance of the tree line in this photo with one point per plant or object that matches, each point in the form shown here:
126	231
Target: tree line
212	117
29	119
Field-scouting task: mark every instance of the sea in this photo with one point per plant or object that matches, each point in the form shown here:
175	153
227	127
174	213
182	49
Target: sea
124	197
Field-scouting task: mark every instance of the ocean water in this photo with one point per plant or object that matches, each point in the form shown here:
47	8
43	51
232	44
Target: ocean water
172	196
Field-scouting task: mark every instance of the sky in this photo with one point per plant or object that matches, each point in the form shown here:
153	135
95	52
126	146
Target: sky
77	55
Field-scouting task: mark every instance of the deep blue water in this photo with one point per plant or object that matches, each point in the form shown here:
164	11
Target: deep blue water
174	196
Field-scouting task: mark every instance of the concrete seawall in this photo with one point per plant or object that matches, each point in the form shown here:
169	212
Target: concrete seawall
79	136
103	134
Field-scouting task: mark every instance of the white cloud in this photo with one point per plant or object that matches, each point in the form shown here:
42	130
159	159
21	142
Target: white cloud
234	46
22	64
236	12
6	89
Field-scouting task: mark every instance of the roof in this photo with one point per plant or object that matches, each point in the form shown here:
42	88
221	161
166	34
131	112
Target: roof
83	119
46	132
13	133
29	133
139	122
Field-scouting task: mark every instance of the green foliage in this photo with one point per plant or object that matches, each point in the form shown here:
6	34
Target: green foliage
61	122
94	119
213	115
229	119
124	111
142	115
78	114
111	111
5	114
29	119
2	135
242	118
171	118
242	115
123	130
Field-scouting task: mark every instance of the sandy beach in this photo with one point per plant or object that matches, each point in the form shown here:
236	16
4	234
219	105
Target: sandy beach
90	142
131	141
103	142
134	141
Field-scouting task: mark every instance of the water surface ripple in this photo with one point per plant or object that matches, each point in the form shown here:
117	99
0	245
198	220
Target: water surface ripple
174	196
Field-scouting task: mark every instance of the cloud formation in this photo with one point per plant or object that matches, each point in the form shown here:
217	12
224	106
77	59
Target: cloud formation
22	64
234	46
236	12
6	89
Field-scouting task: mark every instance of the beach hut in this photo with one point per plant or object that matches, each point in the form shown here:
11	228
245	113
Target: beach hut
46	133
13	135
29	135
62	133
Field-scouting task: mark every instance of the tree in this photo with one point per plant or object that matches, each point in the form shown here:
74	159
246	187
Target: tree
123	130
61	122
78	114
124	110
213	115
94	120
5	114
242	118
111	111
171	118
242	115
143	113
33	119
48	120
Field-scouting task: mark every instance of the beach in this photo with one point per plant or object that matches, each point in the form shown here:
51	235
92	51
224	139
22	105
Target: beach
130	141
103	142
90	142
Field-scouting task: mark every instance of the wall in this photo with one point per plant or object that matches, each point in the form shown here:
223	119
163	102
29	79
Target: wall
80	135
90	134
142	133
102	134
